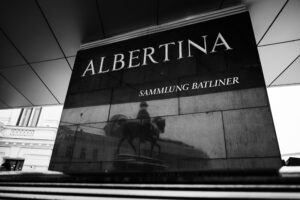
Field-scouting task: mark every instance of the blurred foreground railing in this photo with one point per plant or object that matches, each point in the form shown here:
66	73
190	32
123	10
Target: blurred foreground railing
212	185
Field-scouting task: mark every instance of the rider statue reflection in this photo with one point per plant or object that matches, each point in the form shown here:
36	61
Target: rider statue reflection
144	117
143	128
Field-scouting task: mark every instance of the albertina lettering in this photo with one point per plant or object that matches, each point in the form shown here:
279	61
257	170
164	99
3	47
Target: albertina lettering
145	56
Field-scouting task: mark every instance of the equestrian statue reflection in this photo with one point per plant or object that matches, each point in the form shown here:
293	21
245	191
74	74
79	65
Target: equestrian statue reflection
142	128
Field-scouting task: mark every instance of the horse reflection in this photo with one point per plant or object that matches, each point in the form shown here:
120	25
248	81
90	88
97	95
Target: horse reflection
133	129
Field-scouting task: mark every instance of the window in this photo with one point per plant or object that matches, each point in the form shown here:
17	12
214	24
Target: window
82	153
13	164
95	154
24	116
69	151
29	117
35	116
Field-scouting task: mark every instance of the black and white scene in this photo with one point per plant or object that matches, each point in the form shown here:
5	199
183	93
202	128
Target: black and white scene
149	99
190	98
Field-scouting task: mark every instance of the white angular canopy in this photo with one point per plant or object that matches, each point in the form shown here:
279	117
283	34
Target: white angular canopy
39	39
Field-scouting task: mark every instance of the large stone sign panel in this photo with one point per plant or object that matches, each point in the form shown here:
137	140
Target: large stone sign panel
181	99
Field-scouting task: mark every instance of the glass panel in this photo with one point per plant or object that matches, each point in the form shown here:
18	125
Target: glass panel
286	27
291	75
